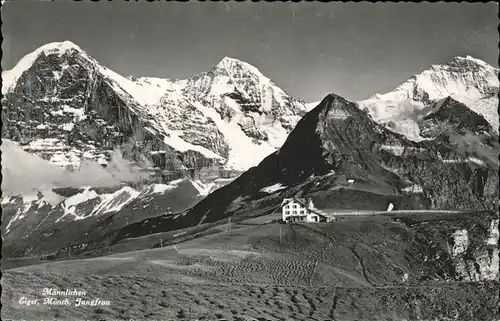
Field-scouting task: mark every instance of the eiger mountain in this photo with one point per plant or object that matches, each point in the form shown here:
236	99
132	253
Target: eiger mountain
352	163
64	106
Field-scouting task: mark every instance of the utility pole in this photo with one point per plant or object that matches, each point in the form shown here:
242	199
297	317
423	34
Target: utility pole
228	226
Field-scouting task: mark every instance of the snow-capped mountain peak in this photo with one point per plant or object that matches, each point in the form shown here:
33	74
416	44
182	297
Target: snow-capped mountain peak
467	76
469	60
235	66
466	79
10	77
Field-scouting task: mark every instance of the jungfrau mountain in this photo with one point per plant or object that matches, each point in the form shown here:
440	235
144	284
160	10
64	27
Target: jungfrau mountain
466	80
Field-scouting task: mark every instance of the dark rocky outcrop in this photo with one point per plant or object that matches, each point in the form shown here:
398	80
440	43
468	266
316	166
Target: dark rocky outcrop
337	141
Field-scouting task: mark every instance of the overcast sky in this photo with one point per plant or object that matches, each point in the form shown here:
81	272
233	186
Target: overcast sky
308	49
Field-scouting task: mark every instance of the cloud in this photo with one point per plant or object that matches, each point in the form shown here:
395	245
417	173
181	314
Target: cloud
471	144
408	110
25	173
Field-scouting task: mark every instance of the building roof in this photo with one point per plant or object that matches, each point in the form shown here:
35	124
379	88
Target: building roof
303	201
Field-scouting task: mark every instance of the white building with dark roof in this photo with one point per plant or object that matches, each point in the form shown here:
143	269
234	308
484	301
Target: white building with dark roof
301	210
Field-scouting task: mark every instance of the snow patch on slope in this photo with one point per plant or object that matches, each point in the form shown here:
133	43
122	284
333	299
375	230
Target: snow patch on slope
494	233
244	153
69	205
181	145
115	201
162	188
460	242
147	91
203	189
413	189
311	106
27	201
273	188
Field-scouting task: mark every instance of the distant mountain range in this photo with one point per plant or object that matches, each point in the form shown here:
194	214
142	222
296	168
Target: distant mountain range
432	143
66	107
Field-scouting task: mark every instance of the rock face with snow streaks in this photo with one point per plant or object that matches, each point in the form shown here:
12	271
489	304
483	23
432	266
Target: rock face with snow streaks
62	105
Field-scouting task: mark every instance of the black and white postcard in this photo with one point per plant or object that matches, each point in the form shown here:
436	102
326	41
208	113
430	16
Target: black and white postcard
249	161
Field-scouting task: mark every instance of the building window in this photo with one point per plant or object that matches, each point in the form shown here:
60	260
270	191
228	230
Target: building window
302	212
294	206
287	212
294	212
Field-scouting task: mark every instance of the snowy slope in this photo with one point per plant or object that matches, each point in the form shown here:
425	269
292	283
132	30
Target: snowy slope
467	80
310	106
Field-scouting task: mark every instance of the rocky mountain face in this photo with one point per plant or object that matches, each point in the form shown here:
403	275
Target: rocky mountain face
353	163
466	80
343	159
62	105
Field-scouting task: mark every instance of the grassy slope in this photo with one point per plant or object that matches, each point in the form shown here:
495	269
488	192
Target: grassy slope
348	270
